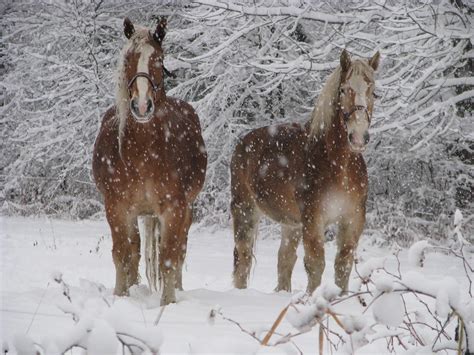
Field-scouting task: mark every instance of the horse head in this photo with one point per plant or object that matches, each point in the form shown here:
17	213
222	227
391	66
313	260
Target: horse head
141	82
356	98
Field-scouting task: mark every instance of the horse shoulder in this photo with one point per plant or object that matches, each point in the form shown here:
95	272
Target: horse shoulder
108	131
183	112
360	172
108	117
106	142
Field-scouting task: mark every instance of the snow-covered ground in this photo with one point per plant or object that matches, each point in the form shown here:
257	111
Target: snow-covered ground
34	249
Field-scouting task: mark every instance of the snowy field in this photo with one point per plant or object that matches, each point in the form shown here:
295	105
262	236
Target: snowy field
32	250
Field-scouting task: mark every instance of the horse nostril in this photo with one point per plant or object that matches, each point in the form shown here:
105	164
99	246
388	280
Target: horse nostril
133	105
350	137
366	137
149	106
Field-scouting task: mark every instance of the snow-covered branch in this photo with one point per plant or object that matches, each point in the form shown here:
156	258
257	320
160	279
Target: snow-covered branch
99	328
404	311
243	65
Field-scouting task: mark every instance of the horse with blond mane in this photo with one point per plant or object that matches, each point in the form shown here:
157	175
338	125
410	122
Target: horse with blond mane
149	159
306	177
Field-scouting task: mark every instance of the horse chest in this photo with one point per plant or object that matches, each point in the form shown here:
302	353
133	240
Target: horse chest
337	203
134	168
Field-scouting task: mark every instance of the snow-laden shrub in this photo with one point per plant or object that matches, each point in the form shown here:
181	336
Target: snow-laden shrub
386	309
398	312
98	326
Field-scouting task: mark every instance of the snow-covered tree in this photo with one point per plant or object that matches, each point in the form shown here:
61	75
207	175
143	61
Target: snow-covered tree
244	64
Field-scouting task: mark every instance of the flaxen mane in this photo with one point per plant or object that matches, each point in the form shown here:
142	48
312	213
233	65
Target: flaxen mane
327	103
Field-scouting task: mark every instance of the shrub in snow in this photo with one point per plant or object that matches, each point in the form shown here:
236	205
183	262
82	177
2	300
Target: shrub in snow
98	327
328	291
416	253
384	284
102	339
307	316
353	323
388	309
402	312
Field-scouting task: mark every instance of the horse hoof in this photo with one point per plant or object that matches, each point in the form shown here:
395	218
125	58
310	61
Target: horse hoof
240	284
167	299
121	292
282	289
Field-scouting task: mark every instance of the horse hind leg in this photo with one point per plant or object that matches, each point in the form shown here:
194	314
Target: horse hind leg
290	239
182	253
347	240
133	272
245	220
152	234
313	243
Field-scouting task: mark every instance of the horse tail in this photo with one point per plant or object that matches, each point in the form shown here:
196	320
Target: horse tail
152	243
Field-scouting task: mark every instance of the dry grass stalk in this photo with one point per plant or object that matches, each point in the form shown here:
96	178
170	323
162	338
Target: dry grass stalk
275	325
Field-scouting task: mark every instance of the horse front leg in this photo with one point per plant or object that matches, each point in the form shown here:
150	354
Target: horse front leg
126	246
172	247
349	232
313	243
182	255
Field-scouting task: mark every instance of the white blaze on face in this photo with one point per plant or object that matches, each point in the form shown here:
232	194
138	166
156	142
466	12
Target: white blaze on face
359	86
143	83
358	126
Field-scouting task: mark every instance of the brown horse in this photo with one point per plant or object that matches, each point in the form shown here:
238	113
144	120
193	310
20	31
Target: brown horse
149	159
306	177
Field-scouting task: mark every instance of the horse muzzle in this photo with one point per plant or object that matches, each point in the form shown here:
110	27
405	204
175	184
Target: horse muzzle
358	142
357	123
142	111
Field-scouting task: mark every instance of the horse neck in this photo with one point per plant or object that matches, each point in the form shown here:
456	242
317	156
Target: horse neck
334	143
338	134
159	98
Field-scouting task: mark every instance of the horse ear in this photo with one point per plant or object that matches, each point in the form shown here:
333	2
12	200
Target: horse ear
345	60
374	61
160	30
128	28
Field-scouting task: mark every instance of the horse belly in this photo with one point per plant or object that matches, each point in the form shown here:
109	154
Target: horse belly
274	187
278	202
282	214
